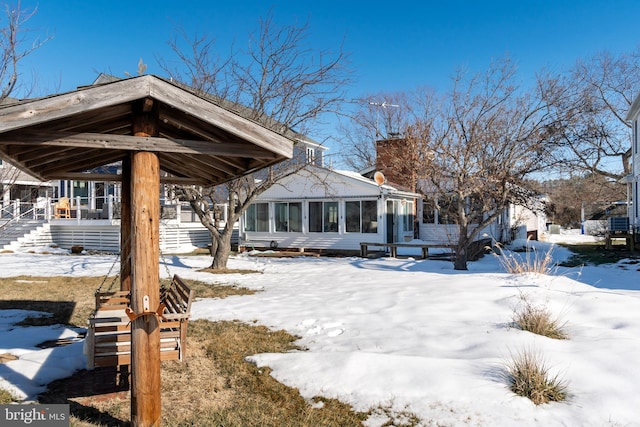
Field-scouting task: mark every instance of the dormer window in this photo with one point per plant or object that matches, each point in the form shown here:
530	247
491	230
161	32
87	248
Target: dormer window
311	155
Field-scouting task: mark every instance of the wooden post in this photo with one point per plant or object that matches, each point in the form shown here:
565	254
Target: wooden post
145	280
125	226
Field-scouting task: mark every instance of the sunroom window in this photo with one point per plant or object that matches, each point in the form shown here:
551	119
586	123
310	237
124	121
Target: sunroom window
361	216
288	217
257	218
323	217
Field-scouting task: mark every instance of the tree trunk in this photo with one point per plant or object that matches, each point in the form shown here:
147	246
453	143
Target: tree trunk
462	250
220	257
221	248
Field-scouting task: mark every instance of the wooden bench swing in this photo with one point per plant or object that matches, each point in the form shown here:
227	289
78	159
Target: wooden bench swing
108	341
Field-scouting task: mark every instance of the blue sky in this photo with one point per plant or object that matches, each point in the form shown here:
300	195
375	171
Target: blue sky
394	45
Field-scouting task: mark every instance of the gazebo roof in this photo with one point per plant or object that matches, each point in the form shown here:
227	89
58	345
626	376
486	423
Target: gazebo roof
71	135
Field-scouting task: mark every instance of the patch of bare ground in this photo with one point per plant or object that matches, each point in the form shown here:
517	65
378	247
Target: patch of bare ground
214	386
7	357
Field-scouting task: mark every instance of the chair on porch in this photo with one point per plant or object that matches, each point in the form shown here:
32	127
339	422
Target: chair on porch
62	209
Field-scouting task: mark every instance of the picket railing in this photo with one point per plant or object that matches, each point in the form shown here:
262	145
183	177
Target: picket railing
83	208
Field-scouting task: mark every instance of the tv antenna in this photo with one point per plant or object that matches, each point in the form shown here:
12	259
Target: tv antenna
385	105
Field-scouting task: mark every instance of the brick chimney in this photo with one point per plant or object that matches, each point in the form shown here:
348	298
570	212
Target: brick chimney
397	162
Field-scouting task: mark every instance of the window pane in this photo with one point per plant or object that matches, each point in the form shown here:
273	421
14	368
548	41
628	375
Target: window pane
428	212
408	216
353	216
447	211
295	217
262	217
369	216
311	155
315	217
282	217
330	217
250	218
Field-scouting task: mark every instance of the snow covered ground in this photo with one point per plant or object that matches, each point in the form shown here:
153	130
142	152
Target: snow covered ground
406	334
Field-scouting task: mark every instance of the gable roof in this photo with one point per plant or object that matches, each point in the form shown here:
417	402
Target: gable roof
313	182
67	135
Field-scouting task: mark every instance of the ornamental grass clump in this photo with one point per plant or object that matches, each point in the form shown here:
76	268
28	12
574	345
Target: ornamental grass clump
529	377
6	397
528	261
538	320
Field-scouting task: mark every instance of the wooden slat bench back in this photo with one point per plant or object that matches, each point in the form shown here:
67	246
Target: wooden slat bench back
109	334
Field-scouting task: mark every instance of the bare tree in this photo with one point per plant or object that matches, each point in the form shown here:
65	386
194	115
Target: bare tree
14	47
375	117
199	65
286	81
278	81
591	102
477	147
235	196
568	195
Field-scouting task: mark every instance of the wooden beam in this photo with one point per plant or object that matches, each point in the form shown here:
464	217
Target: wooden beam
195	166
208	112
110	177
176	120
119	116
80	161
147	105
90	98
132	143
28	151
212	175
34	160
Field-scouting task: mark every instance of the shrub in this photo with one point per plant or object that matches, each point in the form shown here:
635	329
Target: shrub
6	397
529	377
538	319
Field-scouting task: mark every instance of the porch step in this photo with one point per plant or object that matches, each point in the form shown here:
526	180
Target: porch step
15	234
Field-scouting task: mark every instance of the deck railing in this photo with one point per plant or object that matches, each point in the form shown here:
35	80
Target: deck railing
84	208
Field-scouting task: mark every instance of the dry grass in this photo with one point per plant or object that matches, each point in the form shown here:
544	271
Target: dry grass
215	386
6	397
69	299
529	377
528	261
538	320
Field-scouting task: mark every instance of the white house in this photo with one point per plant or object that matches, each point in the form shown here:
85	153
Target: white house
329	210
633	116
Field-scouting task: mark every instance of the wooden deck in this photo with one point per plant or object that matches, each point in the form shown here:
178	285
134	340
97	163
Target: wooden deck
629	240
393	247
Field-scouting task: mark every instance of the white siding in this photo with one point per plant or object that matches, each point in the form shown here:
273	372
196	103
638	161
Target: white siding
105	236
635	207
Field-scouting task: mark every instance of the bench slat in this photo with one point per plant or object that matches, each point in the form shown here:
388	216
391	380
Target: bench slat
393	247
109	335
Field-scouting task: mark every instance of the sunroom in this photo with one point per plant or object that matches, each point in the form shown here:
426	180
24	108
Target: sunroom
328	210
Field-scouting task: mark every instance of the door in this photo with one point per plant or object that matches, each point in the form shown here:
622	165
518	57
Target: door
390	223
